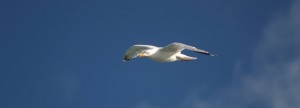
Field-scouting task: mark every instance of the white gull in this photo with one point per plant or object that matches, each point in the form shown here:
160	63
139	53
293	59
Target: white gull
170	53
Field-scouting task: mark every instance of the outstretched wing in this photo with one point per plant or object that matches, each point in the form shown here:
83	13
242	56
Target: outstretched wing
135	50
176	47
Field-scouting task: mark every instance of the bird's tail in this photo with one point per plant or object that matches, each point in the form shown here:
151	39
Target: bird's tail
183	57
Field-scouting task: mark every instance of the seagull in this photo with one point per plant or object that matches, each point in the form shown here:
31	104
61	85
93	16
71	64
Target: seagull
170	53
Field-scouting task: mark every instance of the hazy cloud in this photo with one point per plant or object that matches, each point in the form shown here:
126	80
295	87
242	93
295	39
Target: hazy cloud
277	60
274	79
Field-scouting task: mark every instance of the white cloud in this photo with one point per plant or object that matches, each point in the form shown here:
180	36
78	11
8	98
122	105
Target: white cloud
275	75
277	63
274	79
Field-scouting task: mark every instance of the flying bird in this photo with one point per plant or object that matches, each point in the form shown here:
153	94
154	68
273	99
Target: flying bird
170	53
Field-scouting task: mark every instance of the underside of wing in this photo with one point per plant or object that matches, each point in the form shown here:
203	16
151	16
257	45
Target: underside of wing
135	50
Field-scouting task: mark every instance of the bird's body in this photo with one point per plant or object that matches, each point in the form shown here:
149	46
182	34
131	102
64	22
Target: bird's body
162	56
170	53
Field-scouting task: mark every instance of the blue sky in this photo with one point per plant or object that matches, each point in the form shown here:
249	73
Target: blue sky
68	53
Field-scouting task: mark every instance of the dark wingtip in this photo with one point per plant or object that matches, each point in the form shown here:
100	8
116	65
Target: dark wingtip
126	58
206	53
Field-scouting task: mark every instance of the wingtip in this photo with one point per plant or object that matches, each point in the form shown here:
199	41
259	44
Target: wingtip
126	58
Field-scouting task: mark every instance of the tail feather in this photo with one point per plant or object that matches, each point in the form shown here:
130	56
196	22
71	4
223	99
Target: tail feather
185	57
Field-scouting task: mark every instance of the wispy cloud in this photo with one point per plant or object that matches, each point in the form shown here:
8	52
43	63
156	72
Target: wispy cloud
273	81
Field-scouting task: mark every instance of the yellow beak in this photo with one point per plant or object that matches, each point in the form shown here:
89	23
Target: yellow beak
142	55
